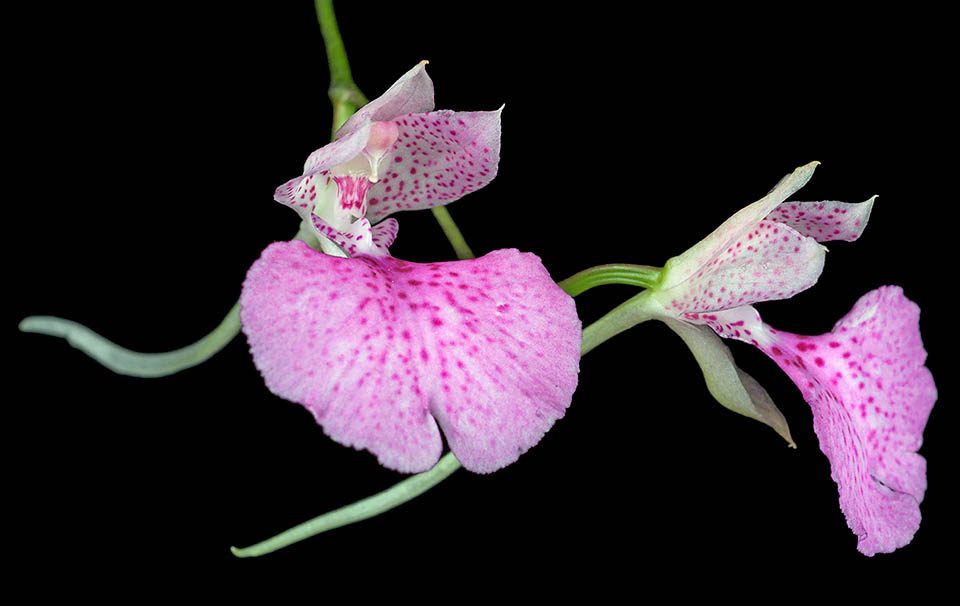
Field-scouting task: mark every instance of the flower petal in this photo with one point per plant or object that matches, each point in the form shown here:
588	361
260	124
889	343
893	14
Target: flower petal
382	351
871	396
439	157
827	220
684	266
338	152
385	232
768	261
411	94
729	385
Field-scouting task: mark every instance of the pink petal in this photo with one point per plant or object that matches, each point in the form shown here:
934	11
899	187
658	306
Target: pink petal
411	94
439	157
768	261
825	221
871	396
383	351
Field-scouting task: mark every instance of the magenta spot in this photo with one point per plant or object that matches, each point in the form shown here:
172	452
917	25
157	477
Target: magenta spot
819	361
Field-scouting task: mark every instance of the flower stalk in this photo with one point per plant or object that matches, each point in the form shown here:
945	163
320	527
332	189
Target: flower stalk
452	232
643	276
344	94
133	363
381	502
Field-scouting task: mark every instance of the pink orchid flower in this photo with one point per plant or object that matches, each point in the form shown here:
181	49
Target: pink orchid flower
871	396
394	154
386	353
865	381
768	250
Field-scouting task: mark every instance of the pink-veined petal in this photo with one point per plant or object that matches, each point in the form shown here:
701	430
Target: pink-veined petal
411	94
682	267
439	157
871	396
825	221
383	351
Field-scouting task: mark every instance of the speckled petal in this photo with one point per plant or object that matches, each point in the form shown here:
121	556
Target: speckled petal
768	261
702	254
439	157
411	94
871	395
357	239
385	232
827	220
383	351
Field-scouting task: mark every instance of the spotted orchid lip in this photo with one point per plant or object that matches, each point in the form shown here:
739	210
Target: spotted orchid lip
871	396
387	353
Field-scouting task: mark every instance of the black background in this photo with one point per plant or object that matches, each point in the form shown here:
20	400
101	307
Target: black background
147	147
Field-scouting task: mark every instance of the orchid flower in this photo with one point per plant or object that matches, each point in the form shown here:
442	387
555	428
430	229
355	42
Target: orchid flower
385	353
394	154
871	395
768	250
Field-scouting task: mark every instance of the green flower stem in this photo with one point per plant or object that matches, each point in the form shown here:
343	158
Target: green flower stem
344	94
138	364
452	232
400	493
644	276
135	364
624	316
